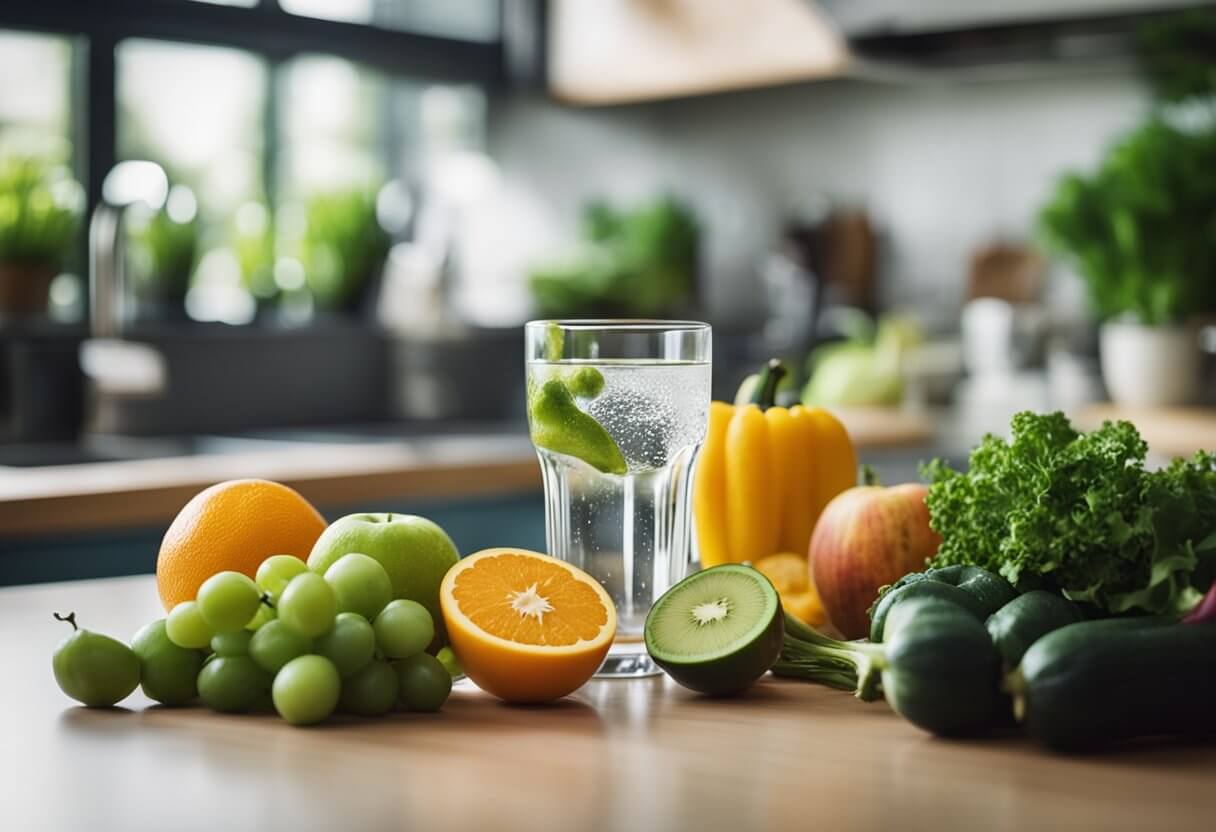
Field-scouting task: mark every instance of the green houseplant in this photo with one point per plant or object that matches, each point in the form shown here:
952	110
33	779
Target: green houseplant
40	207
1141	232
343	247
640	262
165	248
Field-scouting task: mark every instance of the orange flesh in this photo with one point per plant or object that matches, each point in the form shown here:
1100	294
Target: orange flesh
529	601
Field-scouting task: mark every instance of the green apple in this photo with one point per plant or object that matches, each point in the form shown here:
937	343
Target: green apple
415	553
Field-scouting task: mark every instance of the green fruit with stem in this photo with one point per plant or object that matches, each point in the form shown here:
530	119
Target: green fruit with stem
93	669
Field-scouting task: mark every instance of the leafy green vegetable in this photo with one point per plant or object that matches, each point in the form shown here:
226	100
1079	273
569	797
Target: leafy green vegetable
1081	512
640	262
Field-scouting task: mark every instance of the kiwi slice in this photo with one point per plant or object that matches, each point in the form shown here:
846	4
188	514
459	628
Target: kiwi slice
717	631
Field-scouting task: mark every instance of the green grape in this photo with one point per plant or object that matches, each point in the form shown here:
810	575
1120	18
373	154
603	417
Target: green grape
349	644
232	684
308	605
275	645
186	628
424	682
360	584
168	673
228	601
231	644
370	692
265	615
447	658
306	690
277	571
93	669
403	628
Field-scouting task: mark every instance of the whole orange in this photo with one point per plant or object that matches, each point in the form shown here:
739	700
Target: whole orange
233	525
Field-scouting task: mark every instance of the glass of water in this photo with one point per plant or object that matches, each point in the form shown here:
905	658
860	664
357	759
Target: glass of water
617	412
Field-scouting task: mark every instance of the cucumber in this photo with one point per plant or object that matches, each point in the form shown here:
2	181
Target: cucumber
1026	619
941	669
922	589
1095	683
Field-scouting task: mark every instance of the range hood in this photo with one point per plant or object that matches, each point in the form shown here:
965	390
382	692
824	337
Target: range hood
615	51
996	37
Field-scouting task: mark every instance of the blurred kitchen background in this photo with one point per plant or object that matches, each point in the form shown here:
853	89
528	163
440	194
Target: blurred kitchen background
298	238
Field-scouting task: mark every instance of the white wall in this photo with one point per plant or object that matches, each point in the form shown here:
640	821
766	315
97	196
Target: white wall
943	168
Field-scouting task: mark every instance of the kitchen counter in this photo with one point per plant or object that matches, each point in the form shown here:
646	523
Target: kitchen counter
633	755
145	492
488	462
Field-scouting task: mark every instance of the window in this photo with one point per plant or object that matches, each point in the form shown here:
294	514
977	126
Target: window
252	107
334	126
35	100
198	112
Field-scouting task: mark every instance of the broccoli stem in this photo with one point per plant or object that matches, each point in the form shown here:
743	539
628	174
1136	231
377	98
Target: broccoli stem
846	665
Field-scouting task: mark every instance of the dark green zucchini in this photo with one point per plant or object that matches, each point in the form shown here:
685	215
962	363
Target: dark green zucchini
1096	683
989	588
975	589
923	590
1026	619
941	670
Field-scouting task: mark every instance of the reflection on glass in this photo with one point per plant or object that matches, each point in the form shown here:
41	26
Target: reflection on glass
473	20
198	111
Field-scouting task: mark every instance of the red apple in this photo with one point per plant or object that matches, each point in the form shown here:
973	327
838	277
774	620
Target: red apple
867	537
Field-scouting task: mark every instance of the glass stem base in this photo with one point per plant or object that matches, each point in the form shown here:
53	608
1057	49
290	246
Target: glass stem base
627	661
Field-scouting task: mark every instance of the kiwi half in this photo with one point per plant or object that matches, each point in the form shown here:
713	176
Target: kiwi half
717	631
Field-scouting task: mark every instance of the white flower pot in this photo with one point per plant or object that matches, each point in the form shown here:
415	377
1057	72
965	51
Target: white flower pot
1145	366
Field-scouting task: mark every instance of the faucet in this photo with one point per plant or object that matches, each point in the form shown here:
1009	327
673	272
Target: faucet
116	366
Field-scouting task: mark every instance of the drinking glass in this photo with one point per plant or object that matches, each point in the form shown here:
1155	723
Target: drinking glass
623	517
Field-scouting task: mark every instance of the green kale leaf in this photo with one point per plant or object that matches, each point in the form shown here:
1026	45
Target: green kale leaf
1081	513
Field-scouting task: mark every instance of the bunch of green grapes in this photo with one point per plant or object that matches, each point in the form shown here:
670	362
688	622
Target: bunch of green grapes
290	639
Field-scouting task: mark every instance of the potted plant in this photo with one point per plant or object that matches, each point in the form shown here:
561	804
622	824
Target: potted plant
1141	231
164	250
343	248
639	262
40	208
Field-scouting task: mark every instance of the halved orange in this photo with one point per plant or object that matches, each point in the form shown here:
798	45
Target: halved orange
526	627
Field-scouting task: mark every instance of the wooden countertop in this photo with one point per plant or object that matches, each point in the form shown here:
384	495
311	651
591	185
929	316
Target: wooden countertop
1169	431
148	492
145	492
637	755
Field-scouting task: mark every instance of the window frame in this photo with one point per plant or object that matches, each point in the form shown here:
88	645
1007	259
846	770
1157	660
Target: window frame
265	30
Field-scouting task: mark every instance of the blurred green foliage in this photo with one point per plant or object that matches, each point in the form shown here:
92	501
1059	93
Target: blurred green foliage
253	241
166	250
343	246
639	262
1178	55
1141	230
40	208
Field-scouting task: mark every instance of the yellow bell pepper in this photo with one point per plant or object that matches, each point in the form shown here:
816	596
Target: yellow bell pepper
765	474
